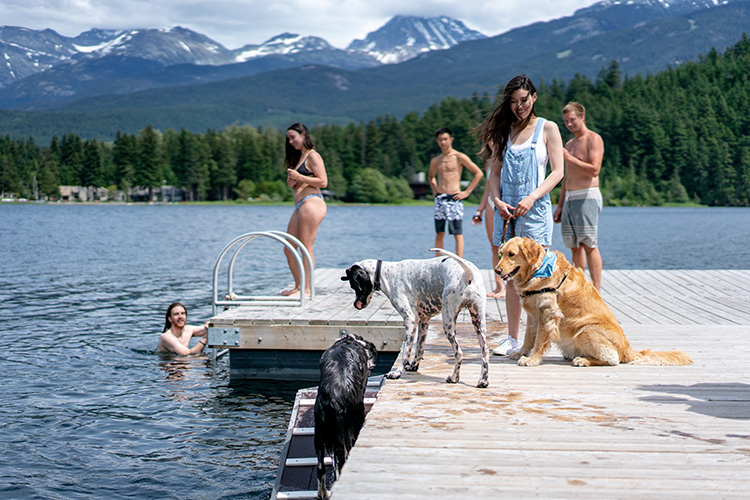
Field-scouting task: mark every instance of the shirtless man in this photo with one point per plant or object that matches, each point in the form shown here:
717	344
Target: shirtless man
446	188
177	333
580	200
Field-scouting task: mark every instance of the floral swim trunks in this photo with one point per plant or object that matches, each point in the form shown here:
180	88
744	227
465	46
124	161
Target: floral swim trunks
448	209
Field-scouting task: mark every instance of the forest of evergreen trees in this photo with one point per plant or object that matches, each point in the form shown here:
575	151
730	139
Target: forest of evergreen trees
682	135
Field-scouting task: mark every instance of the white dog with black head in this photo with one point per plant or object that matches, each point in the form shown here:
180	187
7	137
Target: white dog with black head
420	290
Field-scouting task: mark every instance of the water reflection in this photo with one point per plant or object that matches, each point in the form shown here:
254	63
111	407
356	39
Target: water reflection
184	373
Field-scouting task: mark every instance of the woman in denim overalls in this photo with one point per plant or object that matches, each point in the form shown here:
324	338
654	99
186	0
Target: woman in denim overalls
523	143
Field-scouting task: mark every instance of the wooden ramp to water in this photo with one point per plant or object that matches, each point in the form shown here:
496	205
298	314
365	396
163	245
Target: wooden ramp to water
556	431
297	478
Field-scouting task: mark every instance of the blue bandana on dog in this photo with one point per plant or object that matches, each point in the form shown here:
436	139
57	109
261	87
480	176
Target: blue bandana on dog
548	265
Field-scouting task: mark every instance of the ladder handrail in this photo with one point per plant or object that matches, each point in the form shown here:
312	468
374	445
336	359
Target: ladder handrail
288	237
285	239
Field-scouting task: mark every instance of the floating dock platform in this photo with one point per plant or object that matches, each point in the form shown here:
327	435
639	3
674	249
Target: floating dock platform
285	342
560	432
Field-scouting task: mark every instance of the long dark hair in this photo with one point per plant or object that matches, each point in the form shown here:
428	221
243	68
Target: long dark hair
293	155
497	126
168	324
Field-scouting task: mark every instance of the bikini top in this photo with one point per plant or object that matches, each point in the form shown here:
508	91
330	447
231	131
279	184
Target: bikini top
304	171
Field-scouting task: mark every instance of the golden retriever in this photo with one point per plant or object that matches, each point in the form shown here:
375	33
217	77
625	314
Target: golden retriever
565	308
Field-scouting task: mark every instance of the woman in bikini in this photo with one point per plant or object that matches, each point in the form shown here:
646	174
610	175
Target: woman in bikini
306	175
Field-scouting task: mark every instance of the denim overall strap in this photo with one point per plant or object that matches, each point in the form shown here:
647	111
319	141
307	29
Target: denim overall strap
537	132
534	140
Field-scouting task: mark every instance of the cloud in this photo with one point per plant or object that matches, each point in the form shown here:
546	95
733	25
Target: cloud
235	23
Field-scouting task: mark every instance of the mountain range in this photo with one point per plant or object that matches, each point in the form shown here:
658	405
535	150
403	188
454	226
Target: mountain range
104	81
45	69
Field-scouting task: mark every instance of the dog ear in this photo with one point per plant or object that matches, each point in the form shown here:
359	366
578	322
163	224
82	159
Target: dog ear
348	276
533	251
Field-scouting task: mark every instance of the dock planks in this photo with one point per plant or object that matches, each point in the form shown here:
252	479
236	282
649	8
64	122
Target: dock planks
556	431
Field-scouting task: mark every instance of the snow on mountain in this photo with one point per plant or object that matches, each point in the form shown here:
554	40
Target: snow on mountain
25	52
405	37
670	7
105	45
286	43
175	45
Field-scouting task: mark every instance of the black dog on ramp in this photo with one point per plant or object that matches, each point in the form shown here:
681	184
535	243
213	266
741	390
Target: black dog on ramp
339	408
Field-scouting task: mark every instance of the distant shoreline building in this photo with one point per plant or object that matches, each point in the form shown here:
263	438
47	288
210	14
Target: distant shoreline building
172	194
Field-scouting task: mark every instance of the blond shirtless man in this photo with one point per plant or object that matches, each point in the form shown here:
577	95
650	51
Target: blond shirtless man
445	181
580	200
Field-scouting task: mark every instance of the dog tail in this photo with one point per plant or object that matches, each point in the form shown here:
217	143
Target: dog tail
467	270
663	358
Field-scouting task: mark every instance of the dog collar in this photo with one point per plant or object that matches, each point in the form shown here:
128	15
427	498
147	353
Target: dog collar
376	285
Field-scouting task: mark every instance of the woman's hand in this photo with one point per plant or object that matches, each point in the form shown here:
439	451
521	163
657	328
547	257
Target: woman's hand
524	206
292	178
477	219
504	210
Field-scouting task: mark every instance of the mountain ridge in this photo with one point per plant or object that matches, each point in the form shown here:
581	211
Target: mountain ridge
405	37
101	62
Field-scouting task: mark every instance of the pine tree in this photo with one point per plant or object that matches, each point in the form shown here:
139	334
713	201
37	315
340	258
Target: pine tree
149	169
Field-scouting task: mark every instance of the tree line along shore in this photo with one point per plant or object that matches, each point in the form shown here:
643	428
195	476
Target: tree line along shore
678	136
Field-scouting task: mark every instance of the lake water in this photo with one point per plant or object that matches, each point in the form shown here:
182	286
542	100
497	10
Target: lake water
89	411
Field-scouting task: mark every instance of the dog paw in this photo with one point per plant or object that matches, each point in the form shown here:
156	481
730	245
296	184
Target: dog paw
393	374
451	380
524	361
483	383
579	361
411	367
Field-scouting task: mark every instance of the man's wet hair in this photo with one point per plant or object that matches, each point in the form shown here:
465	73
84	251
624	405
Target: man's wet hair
443	130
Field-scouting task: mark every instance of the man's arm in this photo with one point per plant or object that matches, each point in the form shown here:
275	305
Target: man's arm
174	345
557	216
594	153
431	176
200	331
465	161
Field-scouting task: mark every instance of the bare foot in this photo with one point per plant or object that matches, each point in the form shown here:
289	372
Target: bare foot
497	294
295	294
289	292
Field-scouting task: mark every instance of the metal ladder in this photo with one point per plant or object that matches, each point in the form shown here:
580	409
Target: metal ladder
291	243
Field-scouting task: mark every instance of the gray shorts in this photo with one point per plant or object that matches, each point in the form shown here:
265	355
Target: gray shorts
580	217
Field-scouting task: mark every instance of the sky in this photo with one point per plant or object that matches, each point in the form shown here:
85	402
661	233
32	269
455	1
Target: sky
235	23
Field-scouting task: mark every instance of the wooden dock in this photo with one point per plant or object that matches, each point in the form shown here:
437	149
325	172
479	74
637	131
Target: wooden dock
285	341
559	432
